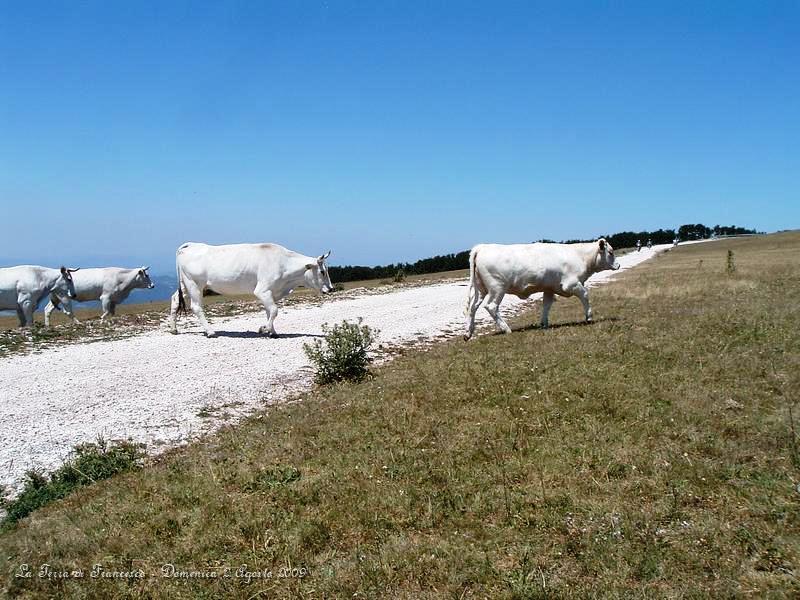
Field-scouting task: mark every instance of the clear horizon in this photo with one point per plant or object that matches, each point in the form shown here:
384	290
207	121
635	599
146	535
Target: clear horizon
388	132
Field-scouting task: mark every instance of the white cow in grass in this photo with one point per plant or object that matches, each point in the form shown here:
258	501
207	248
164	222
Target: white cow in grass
23	288
268	271
109	285
524	269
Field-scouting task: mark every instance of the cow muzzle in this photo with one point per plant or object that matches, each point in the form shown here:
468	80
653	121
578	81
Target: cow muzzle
615	266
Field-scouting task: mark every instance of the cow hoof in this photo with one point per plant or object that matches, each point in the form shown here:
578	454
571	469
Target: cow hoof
211	334
173	331
467	337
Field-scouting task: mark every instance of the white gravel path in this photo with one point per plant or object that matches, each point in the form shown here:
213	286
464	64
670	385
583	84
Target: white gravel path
164	390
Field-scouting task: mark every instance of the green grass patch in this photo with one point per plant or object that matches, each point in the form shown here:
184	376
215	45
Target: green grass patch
89	463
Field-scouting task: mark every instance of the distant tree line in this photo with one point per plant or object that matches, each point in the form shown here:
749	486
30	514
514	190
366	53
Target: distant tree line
435	264
628	239
701	232
460	260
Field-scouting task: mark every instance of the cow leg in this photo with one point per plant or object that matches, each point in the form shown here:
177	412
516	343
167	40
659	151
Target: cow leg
472	309
581	292
65	307
196	302
547	302
47	310
196	298
172	320
20	316
268	301
108	308
493	308
27	307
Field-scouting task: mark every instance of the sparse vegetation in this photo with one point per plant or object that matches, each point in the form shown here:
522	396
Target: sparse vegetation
342	354
647	455
89	463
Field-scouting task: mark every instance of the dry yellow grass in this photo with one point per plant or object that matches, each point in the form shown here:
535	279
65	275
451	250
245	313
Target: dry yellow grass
654	453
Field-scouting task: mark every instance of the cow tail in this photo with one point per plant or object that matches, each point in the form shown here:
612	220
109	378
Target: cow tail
473	280
181	301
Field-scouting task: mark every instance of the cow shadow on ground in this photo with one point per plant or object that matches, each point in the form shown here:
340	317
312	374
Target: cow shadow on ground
537	326
256	334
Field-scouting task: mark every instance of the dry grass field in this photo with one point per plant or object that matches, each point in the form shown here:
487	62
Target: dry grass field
651	454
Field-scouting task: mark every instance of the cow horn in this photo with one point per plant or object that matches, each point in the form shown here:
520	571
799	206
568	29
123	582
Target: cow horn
73	270
145	268
326	255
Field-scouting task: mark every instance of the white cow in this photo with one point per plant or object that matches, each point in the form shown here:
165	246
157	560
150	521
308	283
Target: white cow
109	285
23	288
524	269
268	271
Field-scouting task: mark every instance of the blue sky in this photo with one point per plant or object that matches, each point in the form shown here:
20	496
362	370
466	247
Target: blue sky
388	131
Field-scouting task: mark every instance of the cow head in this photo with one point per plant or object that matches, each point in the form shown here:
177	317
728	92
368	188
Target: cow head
317	276
143	279
605	256
64	286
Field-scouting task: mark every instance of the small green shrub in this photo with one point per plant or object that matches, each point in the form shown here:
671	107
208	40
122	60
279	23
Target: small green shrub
343	353
400	276
88	463
272	478
731	265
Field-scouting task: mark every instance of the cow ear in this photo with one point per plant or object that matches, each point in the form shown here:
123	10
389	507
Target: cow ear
63	270
309	266
602	244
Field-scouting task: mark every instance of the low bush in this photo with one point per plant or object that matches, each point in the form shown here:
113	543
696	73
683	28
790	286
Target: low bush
343	353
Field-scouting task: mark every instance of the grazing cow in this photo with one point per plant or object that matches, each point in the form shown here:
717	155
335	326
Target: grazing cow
268	271
23	288
110	285
524	269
